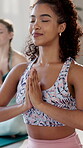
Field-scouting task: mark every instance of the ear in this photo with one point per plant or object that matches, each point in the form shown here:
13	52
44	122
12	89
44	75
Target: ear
11	34
62	27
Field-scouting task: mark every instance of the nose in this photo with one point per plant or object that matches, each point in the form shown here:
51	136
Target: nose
36	25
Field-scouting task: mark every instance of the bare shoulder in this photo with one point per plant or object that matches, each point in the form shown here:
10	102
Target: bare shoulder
19	69
14	76
18	57
76	67
76	80
9	87
76	71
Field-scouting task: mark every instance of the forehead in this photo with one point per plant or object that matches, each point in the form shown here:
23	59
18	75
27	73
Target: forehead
42	9
3	26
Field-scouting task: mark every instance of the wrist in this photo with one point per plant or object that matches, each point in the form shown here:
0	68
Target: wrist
41	105
26	107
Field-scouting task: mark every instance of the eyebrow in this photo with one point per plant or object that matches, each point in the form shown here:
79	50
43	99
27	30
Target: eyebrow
45	15
42	15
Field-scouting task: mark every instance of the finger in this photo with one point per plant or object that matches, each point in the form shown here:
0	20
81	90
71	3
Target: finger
32	75
30	84
27	84
34	79
36	74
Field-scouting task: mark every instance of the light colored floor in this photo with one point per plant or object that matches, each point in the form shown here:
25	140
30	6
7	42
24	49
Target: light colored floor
19	144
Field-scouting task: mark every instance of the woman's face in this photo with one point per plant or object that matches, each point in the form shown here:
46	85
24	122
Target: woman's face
43	27
5	36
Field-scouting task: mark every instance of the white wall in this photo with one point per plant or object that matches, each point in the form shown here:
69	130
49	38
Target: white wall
17	12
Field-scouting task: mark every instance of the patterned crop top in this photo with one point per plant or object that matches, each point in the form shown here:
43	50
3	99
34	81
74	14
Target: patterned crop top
57	95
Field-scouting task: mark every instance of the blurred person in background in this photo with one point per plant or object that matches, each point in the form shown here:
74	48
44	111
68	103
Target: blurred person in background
8	59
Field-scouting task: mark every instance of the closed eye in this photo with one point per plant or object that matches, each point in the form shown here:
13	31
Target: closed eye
33	21
45	20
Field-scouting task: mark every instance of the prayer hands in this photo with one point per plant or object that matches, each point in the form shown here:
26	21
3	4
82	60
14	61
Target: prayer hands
28	102
34	94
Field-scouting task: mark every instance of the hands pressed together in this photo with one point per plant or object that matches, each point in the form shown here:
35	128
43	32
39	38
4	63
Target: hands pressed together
33	90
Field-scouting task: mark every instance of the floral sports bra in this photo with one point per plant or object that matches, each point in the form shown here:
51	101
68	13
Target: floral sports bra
57	95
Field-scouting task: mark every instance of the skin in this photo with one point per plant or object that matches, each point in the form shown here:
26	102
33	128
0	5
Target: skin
42	76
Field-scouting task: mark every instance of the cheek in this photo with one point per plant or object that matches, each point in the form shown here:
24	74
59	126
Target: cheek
3	36
6	37
53	31
48	29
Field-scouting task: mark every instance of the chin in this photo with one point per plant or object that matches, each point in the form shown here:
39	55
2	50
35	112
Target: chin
38	43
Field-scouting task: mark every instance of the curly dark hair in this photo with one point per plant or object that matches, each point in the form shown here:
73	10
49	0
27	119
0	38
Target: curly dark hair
69	40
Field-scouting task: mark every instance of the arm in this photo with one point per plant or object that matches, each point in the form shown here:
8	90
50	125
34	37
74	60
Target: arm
7	91
11	111
71	118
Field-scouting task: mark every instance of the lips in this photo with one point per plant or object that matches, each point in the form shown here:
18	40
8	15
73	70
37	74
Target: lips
37	34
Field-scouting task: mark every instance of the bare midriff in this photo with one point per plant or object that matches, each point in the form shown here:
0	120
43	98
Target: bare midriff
49	133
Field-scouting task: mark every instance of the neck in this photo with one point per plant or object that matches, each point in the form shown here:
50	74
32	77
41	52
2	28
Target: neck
48	55
4	50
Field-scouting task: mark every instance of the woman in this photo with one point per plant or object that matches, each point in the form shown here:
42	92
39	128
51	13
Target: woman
49	93
8	59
